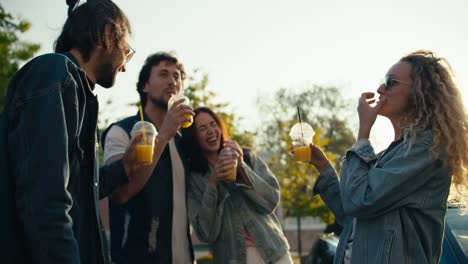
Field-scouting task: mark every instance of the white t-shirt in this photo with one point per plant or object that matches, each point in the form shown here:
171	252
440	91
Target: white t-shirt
116	143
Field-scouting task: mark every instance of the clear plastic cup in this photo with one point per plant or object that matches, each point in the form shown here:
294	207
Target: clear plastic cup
301	135
177	97
145	146
232	154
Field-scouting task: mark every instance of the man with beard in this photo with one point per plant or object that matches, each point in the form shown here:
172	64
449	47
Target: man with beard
49	177
148	216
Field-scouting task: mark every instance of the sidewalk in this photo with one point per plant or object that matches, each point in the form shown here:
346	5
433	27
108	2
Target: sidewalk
204	256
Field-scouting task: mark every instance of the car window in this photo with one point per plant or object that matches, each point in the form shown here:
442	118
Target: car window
457	223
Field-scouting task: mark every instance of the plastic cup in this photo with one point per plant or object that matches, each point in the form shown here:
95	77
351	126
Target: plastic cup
301	135
185	102
145	146
232	154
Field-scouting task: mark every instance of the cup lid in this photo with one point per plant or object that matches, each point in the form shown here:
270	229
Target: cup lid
228	151
176	97
302	132
148	126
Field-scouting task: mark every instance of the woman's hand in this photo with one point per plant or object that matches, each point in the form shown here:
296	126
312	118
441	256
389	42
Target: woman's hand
222	170
235	146
367	113
240	169
318	158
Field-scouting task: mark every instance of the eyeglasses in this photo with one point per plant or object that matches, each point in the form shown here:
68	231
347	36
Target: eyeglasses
391	81
130	52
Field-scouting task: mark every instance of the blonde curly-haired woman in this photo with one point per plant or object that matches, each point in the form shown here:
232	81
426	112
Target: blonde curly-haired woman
392	204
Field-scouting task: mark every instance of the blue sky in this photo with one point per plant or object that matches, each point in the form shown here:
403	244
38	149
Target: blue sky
253	47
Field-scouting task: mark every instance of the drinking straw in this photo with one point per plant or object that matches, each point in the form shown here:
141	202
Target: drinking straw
300	122
143	124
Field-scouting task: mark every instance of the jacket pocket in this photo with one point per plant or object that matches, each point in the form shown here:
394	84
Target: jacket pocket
387	247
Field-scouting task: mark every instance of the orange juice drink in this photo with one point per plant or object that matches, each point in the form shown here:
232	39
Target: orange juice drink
187	123
144	153
186	101
231	154
301	136
144	148
233	175
302	153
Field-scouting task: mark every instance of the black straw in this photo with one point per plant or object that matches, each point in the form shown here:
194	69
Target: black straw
300	122
299	114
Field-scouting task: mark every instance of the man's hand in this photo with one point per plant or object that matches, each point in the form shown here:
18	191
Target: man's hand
130	163
175	116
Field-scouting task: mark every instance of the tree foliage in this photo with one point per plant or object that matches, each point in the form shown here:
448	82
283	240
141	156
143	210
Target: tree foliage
326	111
199	95
12	50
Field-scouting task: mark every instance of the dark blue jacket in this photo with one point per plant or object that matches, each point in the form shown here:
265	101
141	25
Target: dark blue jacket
141	229
49	182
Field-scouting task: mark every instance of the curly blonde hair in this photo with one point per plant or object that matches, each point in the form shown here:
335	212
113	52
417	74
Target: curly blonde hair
437	104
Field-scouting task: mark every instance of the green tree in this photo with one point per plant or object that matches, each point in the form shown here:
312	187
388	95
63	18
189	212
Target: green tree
199	95
12	50
326	111
322	107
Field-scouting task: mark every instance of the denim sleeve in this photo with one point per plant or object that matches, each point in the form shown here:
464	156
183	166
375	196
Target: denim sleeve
265	191
40	147
369	191
328	187
205	211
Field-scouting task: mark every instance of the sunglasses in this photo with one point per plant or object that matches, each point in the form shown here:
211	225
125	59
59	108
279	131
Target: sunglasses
130	52
391	81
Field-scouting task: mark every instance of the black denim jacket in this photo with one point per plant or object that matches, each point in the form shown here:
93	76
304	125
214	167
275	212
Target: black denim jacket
49	178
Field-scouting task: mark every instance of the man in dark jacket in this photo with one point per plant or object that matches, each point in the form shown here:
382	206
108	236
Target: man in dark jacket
49	182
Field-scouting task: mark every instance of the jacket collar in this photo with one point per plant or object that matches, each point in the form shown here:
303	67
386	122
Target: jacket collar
70	56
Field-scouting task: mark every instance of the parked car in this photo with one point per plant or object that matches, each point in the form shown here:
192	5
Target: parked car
454	248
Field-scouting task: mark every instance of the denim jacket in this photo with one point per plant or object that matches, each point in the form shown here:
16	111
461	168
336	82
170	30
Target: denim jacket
49	183
397	197
219	215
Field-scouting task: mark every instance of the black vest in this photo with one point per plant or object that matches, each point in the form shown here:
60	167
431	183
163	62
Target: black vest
141	229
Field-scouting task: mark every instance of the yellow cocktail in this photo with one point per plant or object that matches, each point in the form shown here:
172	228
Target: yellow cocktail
186	101
187	123
230	154
144	153
233	175
302	153
301	136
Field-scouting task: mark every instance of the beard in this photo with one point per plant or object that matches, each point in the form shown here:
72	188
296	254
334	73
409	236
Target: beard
159	102
106	74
